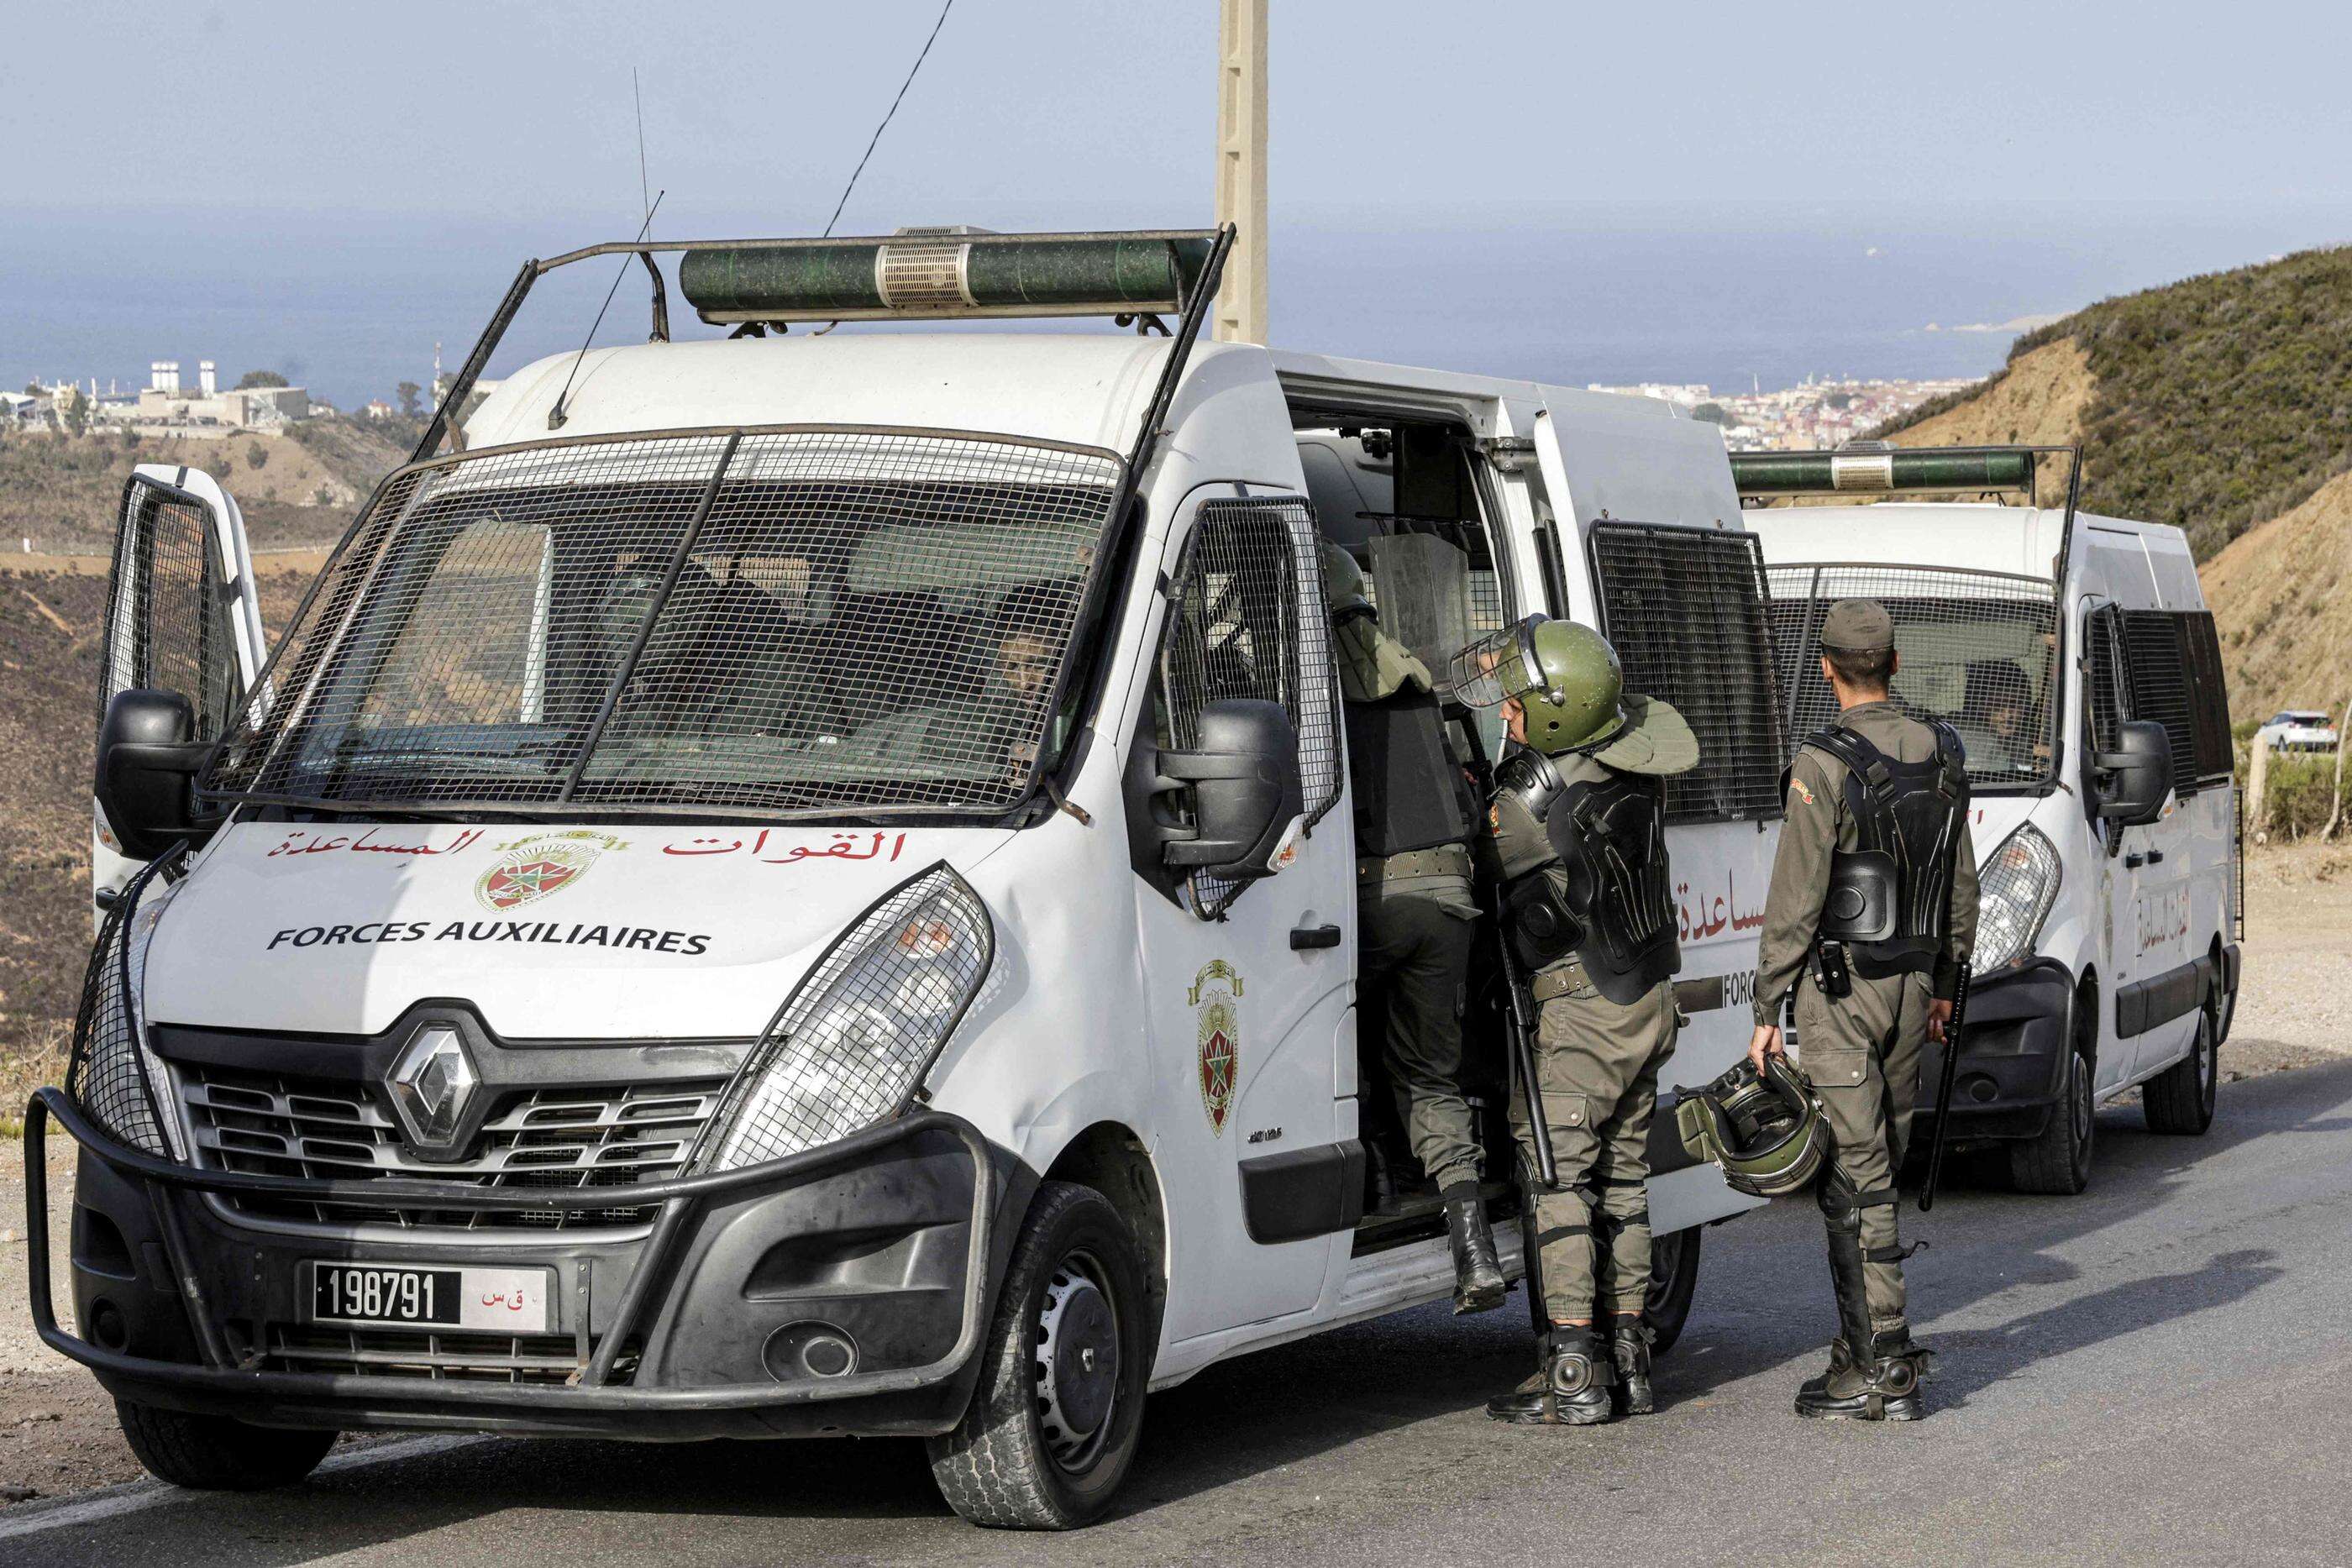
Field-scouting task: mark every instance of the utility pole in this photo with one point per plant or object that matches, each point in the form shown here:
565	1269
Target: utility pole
1240	167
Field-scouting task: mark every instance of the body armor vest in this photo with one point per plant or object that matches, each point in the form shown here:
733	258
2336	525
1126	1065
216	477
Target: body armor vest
1617	913
1410	793
1891	898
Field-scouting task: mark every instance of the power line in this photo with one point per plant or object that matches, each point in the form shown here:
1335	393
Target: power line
645	202
885	117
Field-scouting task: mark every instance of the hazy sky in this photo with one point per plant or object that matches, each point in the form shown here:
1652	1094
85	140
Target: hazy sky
166	157
1027	109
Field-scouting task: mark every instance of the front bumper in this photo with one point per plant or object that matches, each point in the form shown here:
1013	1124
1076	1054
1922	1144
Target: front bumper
892	1238
2014	1040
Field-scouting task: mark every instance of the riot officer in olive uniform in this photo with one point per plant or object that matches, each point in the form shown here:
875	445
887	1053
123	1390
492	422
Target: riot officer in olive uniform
1871	915
1414	813
1578	823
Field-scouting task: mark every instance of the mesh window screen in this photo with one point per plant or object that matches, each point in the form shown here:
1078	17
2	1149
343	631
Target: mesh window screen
111	1073
1246	619
2106	695
776	620
2158	660
1976	649
1686	611
2209	698
167	624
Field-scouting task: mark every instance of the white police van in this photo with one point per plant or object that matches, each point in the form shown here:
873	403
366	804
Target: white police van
2076	658
794	883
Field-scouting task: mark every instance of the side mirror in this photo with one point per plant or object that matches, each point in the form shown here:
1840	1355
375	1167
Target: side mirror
1244	787
146	771
2134	779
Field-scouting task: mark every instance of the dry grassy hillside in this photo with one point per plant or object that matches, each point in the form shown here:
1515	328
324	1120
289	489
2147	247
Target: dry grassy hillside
61	491
48	713
2037	401
2278	593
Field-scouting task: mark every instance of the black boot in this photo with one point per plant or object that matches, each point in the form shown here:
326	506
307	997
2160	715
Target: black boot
1479	1282
1569	1388
1629	1347
1871	1377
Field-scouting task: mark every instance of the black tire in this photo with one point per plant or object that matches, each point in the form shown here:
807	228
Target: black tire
1673	1280
1019	1459
2059	1161
215	1453
2179	1099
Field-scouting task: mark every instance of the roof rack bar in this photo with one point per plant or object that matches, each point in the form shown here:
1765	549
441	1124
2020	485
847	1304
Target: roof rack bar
615	247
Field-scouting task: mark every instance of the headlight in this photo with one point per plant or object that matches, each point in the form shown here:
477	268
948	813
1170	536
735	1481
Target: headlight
2014	893
112	1075
856	1040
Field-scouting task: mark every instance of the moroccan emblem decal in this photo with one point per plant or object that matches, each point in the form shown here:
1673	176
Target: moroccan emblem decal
1215	992
530	869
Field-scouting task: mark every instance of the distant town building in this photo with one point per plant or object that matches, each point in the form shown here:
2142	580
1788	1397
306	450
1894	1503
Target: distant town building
377	408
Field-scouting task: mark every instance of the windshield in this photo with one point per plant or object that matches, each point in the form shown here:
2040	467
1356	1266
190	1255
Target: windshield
803	620
1975	649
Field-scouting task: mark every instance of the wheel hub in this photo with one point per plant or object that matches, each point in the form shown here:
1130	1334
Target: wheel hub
1077	1364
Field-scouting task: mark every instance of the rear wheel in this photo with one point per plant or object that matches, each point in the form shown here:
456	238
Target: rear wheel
2180	1098
1673	1280
2059	1161
1052	1425
215	1453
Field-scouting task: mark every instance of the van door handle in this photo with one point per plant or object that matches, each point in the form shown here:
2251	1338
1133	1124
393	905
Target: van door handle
2135	860
1304	938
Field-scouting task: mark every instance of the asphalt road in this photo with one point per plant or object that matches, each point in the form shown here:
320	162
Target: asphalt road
2160	1370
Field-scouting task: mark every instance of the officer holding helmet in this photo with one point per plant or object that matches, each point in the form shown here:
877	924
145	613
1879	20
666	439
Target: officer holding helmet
1578	825
1870	919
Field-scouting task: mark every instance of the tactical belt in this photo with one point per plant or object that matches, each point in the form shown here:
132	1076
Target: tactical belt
1569	977
1445	859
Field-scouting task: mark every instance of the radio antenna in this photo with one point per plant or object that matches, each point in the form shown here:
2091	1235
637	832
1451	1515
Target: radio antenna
644	201
879	130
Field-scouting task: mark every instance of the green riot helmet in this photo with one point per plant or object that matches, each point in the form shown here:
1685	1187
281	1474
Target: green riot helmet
1766	1130
1343	584
1564	676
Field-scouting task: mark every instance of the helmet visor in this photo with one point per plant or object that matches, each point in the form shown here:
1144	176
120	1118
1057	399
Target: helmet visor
1497	667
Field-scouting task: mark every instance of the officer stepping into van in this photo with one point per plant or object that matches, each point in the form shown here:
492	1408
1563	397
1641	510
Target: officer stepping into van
1579	822
1871	915
1414	813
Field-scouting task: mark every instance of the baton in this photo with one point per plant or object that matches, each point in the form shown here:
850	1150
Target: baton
1944	1088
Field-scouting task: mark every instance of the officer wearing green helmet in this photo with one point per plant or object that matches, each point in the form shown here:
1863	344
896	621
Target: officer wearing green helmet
1578	826
1415	815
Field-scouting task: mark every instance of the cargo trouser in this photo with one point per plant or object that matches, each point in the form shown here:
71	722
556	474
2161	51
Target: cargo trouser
1860	1053
1597	1064
1414	940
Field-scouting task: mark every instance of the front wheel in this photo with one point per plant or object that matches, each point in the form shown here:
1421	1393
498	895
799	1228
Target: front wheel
1052	1424
2180	1098
1673	1280
216	1453
2059	1161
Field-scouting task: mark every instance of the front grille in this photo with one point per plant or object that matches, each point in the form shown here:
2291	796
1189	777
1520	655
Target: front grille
327	1129
438	1355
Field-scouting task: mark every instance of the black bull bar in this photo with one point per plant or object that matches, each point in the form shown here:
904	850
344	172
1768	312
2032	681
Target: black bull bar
592	1392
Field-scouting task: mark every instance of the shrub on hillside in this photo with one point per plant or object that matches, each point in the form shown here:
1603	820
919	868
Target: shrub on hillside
2298	793
2221	401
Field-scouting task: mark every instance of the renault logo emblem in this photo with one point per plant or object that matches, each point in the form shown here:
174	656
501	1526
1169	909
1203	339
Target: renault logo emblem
432	1084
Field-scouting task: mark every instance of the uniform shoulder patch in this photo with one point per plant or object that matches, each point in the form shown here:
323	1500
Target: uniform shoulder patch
1801	790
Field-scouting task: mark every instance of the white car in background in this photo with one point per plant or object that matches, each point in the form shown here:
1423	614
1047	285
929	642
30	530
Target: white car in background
2298	729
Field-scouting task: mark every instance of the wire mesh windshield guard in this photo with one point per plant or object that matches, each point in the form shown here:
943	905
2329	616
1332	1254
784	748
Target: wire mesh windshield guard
1247	618
111	1073
168	621
791	620
852	1045
1976	649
